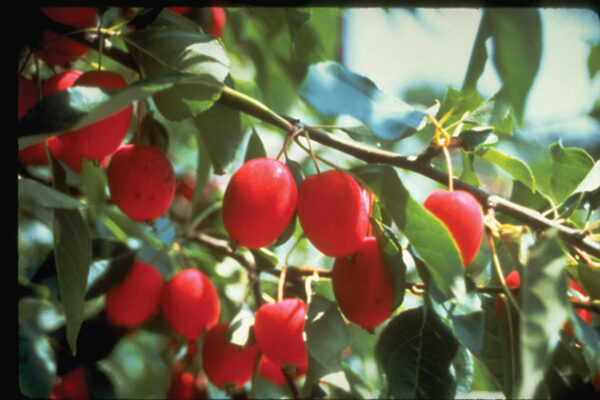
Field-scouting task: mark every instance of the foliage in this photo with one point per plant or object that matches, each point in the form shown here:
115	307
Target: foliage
212	104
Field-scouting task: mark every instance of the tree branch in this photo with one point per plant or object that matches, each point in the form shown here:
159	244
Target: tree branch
534	219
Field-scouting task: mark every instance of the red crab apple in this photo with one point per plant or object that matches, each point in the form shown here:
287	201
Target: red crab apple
60	50
181	10
190	303
73	385
218	20
461	213
137	298
99	139
227	366
79	17
279	328
513	281
361	285
141	180
333	212
36	154
272	371
585	315
183	387
259	202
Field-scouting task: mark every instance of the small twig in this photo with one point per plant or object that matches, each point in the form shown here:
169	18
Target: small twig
291	384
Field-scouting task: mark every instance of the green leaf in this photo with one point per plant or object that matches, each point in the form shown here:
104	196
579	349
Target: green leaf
153	133
593	61
31	191
112	262
517	168
334	90
567	371
495	113
37	367
79	106
220	131
465	320
73	255
415	351
570	166
426	234
468	174
462	371
255	148
239	331
162	50
522	195
458	103
391	252
326	337
93	184
517	48
544	308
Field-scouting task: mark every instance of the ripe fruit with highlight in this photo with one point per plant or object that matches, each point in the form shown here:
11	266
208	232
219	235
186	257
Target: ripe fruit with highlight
227	365
190	303
137	298
361	285
259	202
333	212
461	213
141	180
279	328
97	140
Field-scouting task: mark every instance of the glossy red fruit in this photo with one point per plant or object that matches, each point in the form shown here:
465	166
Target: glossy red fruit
227	365
219	18
190	303
279	328
361	285
59	50
259	202
137	298
183	387
461	214
61	81
272	371
513	281
141	181
73	386
333	212
79	17
97	140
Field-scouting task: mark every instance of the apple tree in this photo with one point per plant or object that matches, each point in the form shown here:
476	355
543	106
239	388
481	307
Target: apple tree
211	204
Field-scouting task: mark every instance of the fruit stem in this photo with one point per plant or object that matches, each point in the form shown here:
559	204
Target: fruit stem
449	164
312	153
288	140
308	285
281	284
496	262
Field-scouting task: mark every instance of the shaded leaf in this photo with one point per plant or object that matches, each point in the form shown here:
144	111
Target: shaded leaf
112	262
31	191
255	147
416	350
326	337
334	90
391	252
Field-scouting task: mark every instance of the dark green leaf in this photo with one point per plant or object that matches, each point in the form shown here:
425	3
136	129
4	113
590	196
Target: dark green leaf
333	90
593	60
41	195
468	174
112	261
159	51
522	195
570	166
544	307
441	255
416	350
517	37
326	337
462	371
93	184
79	106
391	252
287	233
255	148
220	131
153	133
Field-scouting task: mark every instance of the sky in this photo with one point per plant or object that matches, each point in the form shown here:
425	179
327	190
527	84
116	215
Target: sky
435	48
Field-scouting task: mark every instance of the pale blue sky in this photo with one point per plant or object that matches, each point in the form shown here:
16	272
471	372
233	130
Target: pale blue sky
397	51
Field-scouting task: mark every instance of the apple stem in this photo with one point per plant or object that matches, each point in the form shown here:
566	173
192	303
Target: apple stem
312	153
449	164
281	284
288	140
